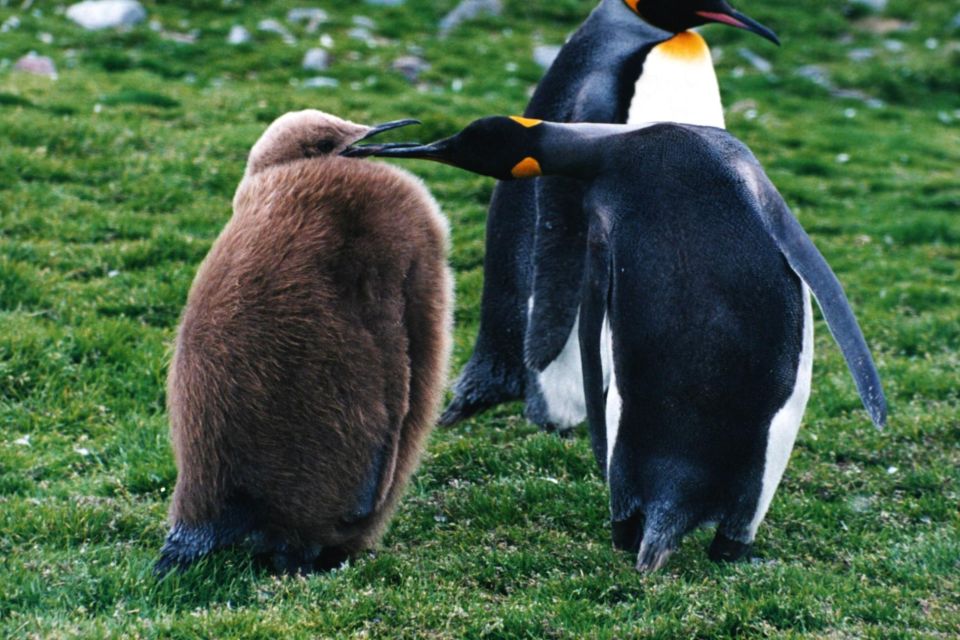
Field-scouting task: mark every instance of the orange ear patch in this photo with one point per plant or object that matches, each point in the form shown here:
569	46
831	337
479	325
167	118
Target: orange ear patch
527	122
633	5
688	45
527	168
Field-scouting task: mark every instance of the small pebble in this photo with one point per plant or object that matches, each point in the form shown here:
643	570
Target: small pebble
469	10
273	26
757	62
320	82
36	65
308	15
316	60
364	21
238	35
10	24
410	66
107	14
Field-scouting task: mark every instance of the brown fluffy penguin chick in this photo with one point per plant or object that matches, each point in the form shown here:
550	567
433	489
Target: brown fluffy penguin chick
311	356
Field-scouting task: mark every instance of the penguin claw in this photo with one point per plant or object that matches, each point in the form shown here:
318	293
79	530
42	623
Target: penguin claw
724	549
652	558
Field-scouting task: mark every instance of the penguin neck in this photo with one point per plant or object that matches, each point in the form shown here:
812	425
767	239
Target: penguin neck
575	150
678	84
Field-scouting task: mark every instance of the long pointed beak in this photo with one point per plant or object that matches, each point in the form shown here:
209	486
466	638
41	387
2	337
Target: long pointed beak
388	126
740	21
433	151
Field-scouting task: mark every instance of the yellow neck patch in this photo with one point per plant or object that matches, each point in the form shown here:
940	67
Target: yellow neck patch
688	45
527	122
527	168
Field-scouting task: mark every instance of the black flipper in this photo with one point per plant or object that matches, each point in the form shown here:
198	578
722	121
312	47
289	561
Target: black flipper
495	372
808	263
185	544
376	483
560	240
593	308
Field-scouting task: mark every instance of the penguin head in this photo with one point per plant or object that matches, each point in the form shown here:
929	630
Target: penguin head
309	134
681	15
499	147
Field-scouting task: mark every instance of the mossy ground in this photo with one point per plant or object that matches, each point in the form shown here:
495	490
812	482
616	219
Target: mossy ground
116	177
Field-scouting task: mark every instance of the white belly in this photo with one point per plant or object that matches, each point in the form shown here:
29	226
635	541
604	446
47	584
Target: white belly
784	426
561	383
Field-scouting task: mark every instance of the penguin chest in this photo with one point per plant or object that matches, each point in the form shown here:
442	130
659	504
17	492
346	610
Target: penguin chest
678	84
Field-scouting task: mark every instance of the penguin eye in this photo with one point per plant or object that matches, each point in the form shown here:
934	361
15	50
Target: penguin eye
319	148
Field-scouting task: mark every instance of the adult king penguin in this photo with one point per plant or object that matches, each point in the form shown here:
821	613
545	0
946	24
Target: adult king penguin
699	276
615	69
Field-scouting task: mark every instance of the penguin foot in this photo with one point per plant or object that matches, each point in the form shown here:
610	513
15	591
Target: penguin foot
330	558
628	534
296	561
284	559
185	543
652	557
564	433
724	549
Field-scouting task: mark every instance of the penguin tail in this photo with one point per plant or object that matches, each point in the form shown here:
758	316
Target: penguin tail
185	543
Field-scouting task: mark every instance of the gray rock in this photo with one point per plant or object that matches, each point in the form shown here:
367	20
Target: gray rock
821	78
307	14
410	66
893	46
320	82
545	54
238	35
10	24
316	60
364	22
385	3
859	55
273	26
469	10
757	62
815	74
36	65
106	14
360	33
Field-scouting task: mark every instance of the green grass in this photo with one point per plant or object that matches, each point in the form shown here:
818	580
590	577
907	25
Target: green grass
116	178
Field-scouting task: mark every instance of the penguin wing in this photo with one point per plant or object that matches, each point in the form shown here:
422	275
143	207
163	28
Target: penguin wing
559	245
558	255
810	265
595	294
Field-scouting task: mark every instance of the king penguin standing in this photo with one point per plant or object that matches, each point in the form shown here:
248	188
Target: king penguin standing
615	69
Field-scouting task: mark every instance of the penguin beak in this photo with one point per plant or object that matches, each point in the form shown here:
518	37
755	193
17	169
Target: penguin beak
388	126
436	151
727	15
